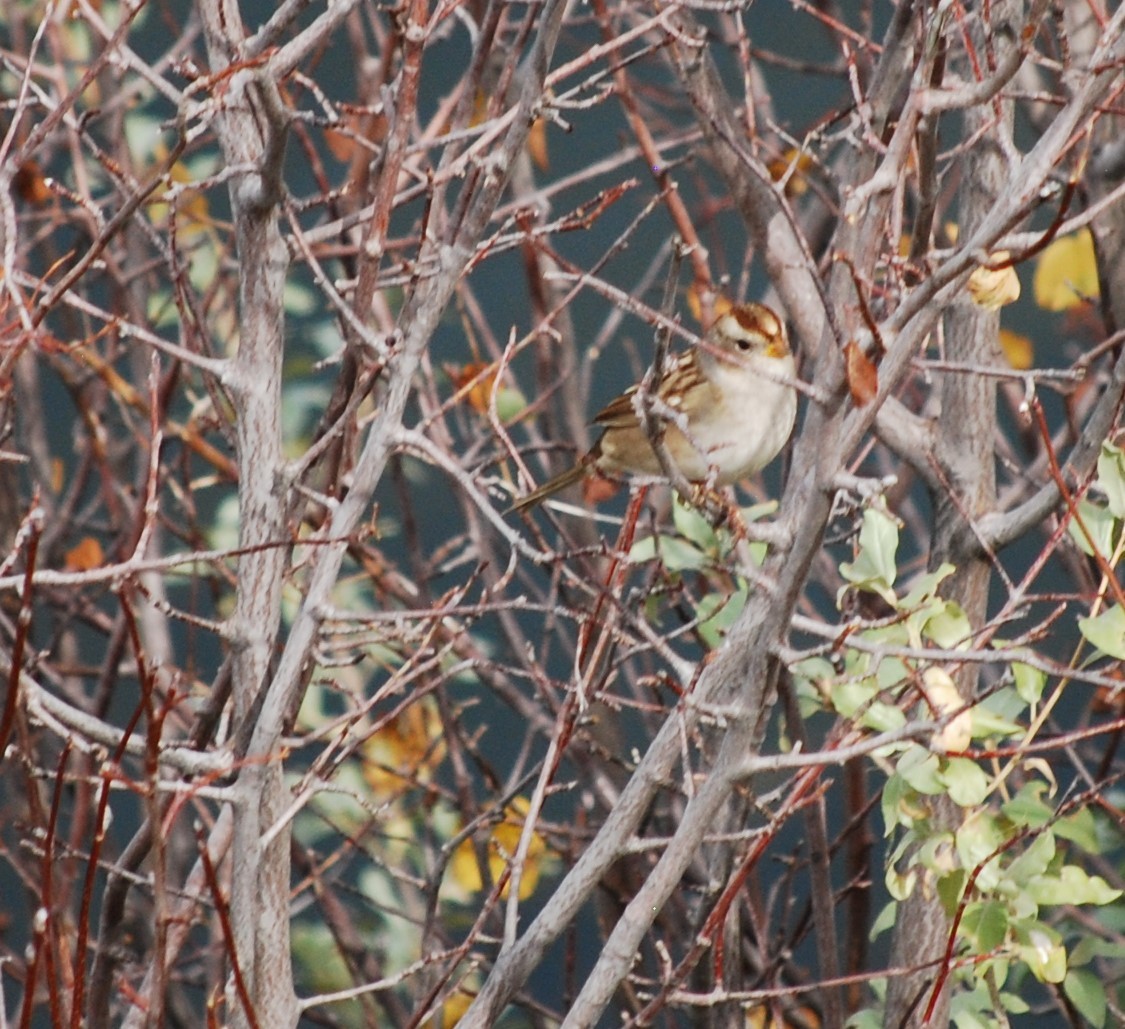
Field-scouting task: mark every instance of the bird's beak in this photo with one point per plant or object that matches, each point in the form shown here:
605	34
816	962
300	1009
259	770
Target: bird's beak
778	346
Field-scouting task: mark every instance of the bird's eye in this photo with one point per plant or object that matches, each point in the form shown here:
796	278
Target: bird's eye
743	344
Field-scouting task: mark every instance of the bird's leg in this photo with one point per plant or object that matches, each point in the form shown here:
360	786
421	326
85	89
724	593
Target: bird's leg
714	505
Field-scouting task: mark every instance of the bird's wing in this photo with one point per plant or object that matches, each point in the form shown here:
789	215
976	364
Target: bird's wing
683	377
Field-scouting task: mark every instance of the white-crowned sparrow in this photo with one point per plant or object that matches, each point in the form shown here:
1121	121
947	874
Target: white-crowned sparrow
730	407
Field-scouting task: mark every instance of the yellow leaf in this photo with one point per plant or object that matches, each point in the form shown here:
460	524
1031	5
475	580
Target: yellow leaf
406	751
992	288
502	844
760	1018
192	211
453	1010
1017	349
1067	273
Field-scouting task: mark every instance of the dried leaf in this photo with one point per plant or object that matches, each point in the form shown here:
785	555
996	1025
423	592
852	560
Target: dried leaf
30	184
793	163
863	376
942	696
1067	273
596	488
993	288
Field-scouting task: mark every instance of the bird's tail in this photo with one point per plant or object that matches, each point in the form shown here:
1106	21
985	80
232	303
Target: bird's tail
560	481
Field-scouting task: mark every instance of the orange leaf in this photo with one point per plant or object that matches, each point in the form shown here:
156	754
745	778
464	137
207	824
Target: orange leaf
84	555
719	304
537	144
863	376
474	383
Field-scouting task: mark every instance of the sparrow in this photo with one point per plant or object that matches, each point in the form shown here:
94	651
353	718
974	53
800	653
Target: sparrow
730	406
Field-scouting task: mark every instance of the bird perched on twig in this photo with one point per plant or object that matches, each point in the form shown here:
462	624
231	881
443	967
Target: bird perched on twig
727	408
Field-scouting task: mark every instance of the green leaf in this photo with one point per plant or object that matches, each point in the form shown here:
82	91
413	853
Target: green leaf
1014	1004
642	551
1111	473
693	526
986	924
874	568
1072	886
1101	525
885	920
950	627
967	783
949	889
1089	947
920	769
883	717
848	697
510	403
978	838
1087	993
969	1018
891	672
895	804
1029	681
1027	808
756	512
675	554
925	586
988	723
717	613
1106	631
1081	828
1033	862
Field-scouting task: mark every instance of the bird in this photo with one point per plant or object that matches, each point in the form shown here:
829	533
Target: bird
730	406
